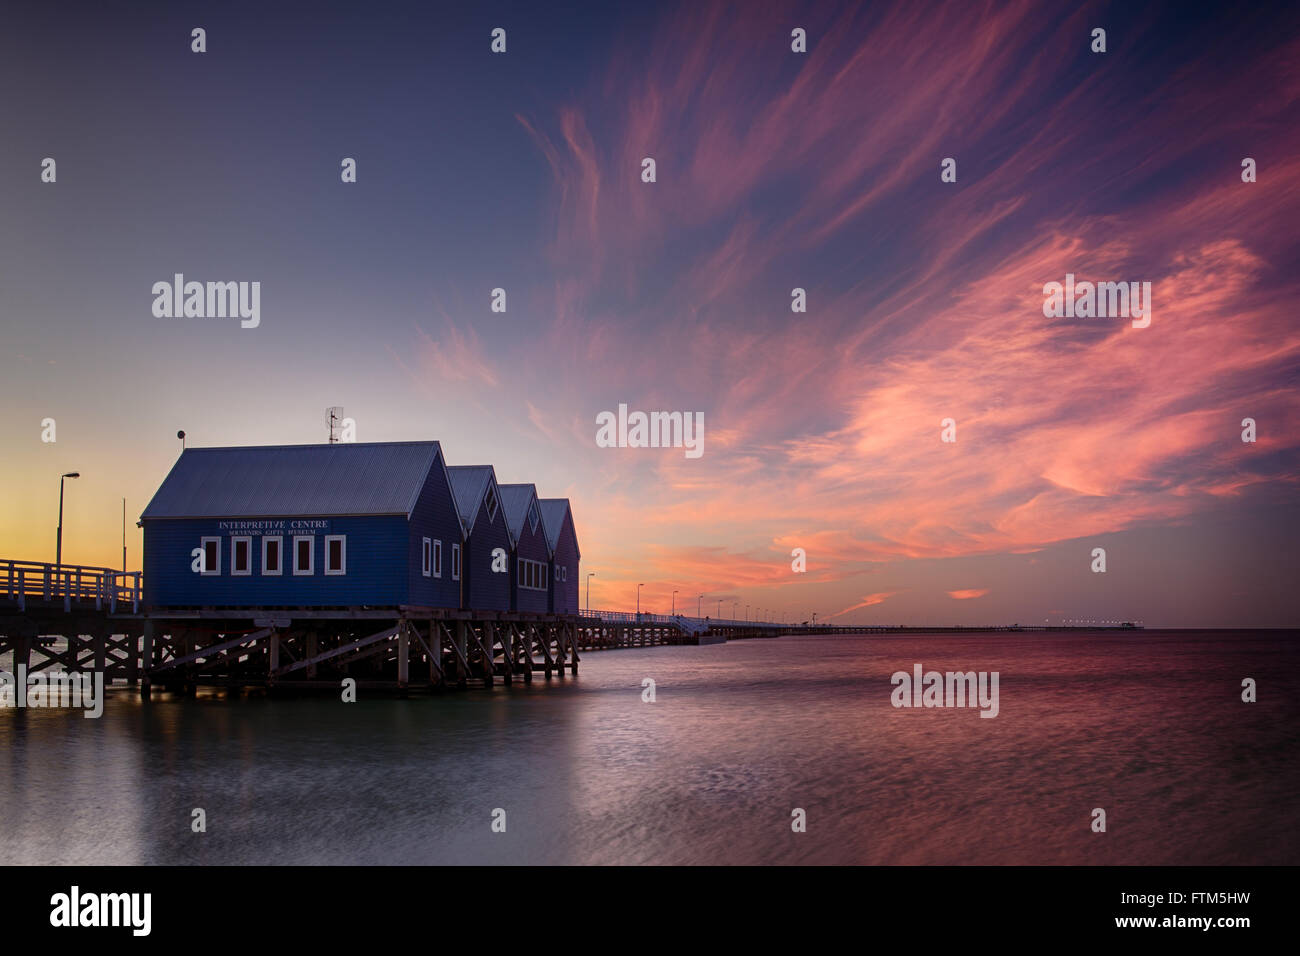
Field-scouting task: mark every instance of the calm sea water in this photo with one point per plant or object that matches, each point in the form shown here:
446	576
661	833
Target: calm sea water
1148	726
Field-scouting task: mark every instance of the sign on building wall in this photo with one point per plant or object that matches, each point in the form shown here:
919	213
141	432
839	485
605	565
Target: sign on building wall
275	526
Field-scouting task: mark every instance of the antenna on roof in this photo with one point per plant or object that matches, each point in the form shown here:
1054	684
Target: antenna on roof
334	419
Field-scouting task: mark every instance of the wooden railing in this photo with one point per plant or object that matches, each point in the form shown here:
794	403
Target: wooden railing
33	581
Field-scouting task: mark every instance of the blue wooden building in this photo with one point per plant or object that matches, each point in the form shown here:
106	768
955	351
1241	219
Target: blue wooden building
316	526
486	580
562	537
531	558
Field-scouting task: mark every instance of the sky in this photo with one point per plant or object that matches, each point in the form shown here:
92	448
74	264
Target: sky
775	170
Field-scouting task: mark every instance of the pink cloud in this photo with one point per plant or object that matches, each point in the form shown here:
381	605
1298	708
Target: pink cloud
823	428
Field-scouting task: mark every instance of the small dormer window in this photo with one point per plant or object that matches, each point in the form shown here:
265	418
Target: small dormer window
491	502
532	517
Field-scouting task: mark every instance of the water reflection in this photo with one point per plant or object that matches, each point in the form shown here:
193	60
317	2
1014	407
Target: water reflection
1150	727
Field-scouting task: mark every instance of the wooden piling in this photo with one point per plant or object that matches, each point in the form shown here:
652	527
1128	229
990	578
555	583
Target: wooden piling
146	659
403	658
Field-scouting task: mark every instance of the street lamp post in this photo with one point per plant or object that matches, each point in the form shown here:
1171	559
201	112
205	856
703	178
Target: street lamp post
590	575
638	601
673	613
699	607
58	546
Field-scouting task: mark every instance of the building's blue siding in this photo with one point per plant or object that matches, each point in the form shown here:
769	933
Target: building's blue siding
375	558
434	516
564	593
531	545
284	491
485	589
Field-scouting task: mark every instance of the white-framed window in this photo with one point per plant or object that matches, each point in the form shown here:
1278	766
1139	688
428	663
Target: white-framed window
336	554
211	556
532	574
273	554
437	558
426	560
455	562
304	554
241	555
491	501
564	572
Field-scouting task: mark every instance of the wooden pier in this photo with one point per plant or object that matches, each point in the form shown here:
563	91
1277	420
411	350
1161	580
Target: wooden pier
78	619
81	619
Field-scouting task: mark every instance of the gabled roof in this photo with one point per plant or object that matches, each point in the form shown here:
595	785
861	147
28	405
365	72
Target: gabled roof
373	478
553	512
515	500
469	483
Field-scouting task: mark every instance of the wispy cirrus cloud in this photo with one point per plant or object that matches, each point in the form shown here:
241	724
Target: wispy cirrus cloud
925	298
870	600
455	355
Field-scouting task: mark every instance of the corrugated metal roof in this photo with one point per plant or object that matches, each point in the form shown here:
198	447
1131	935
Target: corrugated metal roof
514	503
468	484
553	510
283	480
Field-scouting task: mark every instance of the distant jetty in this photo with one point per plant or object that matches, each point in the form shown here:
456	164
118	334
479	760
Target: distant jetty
778	630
